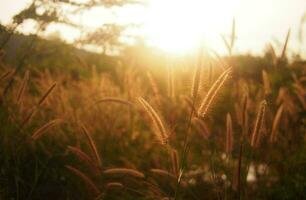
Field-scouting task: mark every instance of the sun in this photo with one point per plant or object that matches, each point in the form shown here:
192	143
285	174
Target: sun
179	26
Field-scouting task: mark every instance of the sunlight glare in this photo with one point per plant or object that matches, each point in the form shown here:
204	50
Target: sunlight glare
179	26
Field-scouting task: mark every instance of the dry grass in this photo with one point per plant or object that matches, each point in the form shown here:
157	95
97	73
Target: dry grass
266	82
92	187
23	87
212	93
124	171
159	128
46	127
229	134
211	163
276	122
44	97
92	146
256	134
84	158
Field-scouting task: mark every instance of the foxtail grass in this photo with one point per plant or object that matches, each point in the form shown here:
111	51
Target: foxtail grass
114	100
258	124
171	86
245	116
230	44
7	75
196	83
190	103
36	107
124	171
22	87
175	162
82	156
48	92
164	173
92	146
114	185
271	50
276	122
283	55
229	135
213	92
154	87
42	130
266	82
201	127
160	130
28	117
91	185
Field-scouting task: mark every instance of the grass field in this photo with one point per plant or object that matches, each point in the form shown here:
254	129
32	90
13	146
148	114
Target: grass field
147	127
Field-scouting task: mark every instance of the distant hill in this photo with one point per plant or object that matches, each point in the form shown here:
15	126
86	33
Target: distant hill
57	55
52	54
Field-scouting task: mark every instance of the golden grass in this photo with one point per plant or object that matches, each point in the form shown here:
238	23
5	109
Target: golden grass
258	124
171	86
124	171
92	146
114	185
79	153
48	92
283	55
266	82
229	135
110	122
175	162
164	173
46	127
22	87
7	74
212	93
115	100
245	116
154	87
201	127
196	83
91	185
276	122
159	128
82	156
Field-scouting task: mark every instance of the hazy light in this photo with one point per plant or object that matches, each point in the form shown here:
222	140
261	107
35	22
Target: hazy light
179	26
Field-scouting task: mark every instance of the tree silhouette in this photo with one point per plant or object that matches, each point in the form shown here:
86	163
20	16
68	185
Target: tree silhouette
45	12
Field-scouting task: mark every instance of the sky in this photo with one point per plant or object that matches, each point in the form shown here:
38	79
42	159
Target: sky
180	25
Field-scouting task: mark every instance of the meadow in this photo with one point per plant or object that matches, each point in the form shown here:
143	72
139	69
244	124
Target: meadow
87	126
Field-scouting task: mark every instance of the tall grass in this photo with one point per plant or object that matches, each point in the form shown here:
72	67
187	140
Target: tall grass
210	132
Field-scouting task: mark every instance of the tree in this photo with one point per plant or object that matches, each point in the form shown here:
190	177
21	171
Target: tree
46	12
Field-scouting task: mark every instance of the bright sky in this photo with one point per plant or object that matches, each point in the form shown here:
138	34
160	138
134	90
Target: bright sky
178	25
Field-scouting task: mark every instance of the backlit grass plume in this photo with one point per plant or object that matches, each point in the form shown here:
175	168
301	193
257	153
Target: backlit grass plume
42	130
91	185
44	97
23	87
124	171
229	135
86	159
258	124
213	92
114	100
276	122
159	128
196	82
92	145
266	82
